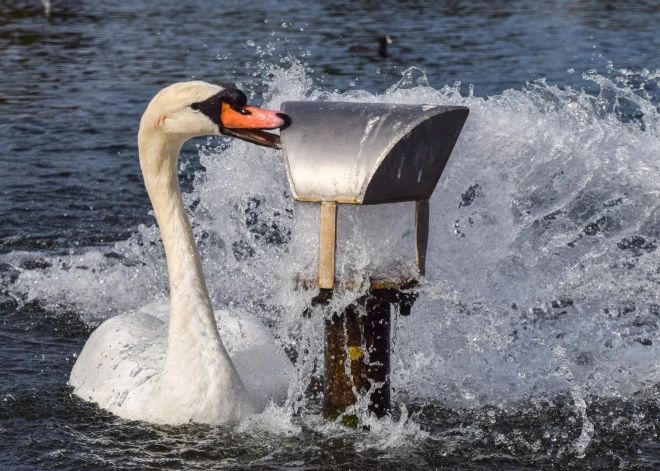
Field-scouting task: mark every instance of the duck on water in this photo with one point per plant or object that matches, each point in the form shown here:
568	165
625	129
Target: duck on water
383	41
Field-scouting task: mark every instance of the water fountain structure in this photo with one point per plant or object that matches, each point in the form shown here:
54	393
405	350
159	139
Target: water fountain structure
365	154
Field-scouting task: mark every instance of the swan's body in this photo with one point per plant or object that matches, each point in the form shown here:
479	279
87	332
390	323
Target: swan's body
129	351
137	365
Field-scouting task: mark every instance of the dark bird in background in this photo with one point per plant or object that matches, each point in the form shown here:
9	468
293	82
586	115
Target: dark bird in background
383	41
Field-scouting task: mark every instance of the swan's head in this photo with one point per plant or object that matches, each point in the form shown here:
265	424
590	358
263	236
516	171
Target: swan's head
189	109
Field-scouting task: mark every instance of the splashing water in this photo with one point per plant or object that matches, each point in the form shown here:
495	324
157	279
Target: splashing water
542	270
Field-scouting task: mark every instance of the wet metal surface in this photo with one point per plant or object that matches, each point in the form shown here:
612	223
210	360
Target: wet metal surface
368	153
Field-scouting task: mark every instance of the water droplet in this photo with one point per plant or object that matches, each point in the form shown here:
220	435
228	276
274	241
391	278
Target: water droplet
250	43
284	25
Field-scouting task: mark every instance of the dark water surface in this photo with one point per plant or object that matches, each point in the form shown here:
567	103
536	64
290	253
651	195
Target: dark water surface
72	88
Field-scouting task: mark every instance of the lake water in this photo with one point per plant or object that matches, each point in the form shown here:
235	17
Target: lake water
535	342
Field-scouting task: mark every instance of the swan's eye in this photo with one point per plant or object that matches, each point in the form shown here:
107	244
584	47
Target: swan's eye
195	106
241	110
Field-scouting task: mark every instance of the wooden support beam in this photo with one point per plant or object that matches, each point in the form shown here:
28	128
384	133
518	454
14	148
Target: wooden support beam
327	242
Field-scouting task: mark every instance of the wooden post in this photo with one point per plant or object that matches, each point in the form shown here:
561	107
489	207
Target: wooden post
421	234
357	340
357	359
327	241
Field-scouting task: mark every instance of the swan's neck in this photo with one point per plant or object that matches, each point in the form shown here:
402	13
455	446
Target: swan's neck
197	367
188	292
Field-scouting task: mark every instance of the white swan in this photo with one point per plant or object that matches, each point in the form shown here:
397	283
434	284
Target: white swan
140	367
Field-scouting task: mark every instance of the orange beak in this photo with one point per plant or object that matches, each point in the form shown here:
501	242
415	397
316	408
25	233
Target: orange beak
248	123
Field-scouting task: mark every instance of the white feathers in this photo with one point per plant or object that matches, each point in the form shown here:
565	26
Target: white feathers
123	359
